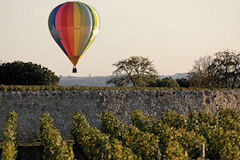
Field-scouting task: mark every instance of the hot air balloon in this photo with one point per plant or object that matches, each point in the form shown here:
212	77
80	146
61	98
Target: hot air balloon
74	26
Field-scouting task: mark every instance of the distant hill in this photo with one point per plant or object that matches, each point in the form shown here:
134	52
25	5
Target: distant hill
100	80
84	81
175	76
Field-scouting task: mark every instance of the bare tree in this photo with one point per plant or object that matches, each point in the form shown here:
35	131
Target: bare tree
222	70
226	67
200	75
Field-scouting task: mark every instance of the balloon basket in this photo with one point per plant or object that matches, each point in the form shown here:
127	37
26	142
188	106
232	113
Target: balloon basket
74	70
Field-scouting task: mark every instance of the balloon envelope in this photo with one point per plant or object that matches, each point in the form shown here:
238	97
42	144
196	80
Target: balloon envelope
74	26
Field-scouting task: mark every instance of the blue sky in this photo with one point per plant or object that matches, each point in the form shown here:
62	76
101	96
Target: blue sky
171	33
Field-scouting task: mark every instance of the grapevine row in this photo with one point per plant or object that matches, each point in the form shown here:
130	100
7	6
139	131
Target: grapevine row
171	136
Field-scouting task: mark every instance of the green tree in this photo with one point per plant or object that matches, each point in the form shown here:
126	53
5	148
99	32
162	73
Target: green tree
183	82
20	73
133	71
165	82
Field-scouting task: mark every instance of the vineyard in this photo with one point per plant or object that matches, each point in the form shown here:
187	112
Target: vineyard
172	136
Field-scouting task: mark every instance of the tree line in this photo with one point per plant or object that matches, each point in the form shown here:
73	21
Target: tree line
21	73
222	70
139	71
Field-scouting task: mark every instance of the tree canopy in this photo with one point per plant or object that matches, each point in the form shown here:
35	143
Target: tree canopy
222	70
183	82
165	82
20	73
133	71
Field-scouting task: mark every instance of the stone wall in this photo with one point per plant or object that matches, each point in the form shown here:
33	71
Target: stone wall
30	105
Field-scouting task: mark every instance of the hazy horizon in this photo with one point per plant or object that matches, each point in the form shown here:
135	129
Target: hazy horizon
87	76
171	33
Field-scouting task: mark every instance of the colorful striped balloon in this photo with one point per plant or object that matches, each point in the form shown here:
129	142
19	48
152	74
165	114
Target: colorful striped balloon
74	26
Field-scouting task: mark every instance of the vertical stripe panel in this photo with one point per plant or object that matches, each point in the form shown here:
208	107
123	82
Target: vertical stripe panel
80	30
77	26
51	23
95	27
87	27
58	24
70	28
64	24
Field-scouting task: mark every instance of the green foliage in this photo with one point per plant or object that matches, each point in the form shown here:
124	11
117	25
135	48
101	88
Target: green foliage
221	132
95	145
173	119
165	82
141	143
170	127
141	120
20	73
172	136
53	146
133	71
183	82
9	148
223	138
175	151
118	151
230	146
190	141
223	144
201	123
229	119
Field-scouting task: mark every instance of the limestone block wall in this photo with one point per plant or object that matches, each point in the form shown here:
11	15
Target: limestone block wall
61	104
